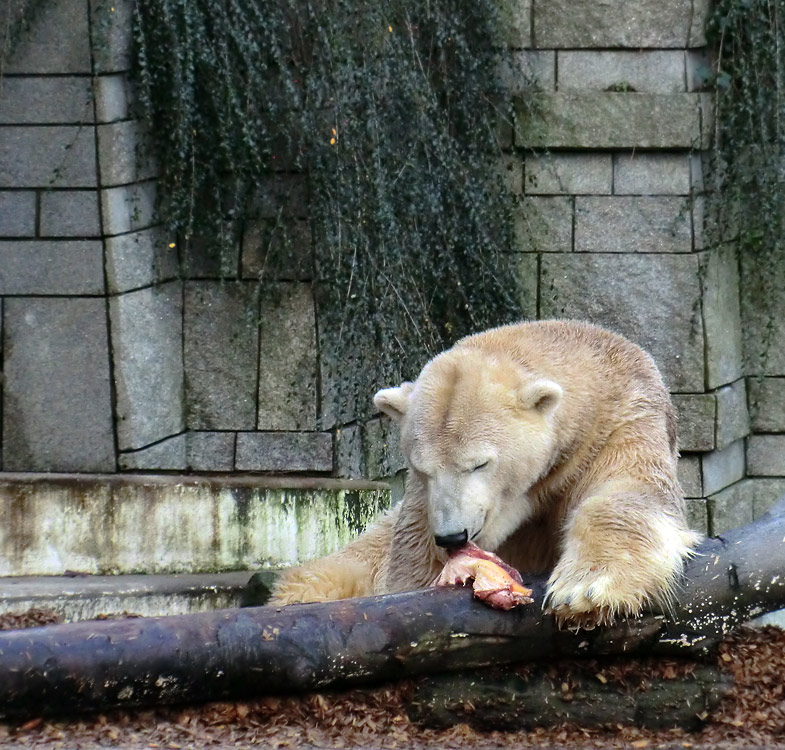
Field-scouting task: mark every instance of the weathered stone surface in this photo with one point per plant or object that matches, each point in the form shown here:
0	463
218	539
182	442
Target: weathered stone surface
731	507
528	276
210	451
167	455
139	258
349	461
17	213
124	153
722	318
544	224
689	472
287	358
51	267
652	299
47	156
767	404
112	96
45	101
697	514
278	251
128	208
765	493
613	120
284	451
569	174
221	355
697	414
111	34
510	169
57	406
763	312
69	213
700	69
515	23
766	455
733	419
57	40
147	335
637	173
637	224
620	23
647	71
383	456
722	468
523	70
205	260
283	195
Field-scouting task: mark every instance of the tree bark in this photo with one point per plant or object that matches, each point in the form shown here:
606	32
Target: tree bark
263	650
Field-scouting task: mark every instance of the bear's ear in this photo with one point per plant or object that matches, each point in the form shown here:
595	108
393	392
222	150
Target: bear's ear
542	395
394	402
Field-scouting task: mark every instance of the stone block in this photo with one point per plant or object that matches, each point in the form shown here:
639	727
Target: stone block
654	300
568	174
522	71
645	71
46	101
767	404
689	473
277	251
69	213
57	402
56	41
17	213
544	224
766	493
697	514
620	23
733	419
510	170
139	258
722	318
48	156
349	452
147	336
210	451
731	507
528	276
203	259
697	414
514	23
632	224
221	355
722	468
168	455
282	195
287	395
763	312
383	456
284	451
124	153
641	173
612	120
766	455
111	34
128	208
113	94
51	267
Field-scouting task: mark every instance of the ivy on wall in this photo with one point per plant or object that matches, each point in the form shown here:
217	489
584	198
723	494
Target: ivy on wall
388	115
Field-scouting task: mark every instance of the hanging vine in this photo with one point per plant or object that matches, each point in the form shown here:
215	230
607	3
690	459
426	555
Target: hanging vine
387	117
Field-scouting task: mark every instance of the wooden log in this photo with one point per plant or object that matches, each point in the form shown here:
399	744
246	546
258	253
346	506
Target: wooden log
265	650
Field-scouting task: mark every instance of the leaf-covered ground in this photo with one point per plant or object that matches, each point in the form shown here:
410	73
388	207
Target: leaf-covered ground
753	715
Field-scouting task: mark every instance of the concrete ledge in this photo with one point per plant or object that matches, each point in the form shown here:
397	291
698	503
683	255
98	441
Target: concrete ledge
156	524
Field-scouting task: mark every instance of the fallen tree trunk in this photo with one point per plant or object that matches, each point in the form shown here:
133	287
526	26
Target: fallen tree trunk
263	650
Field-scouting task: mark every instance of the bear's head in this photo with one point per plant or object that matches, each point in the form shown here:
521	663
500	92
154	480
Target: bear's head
478	430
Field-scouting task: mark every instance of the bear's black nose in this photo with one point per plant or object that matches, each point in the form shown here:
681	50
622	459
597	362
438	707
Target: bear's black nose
452	540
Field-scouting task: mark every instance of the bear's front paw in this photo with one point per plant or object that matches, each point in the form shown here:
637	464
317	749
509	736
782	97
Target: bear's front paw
586	597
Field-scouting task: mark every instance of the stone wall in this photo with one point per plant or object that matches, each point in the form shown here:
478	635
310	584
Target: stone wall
114	361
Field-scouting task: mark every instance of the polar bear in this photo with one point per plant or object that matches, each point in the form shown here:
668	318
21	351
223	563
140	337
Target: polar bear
551	443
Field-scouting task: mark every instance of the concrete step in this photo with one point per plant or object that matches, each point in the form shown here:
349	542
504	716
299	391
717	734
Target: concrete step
87	597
